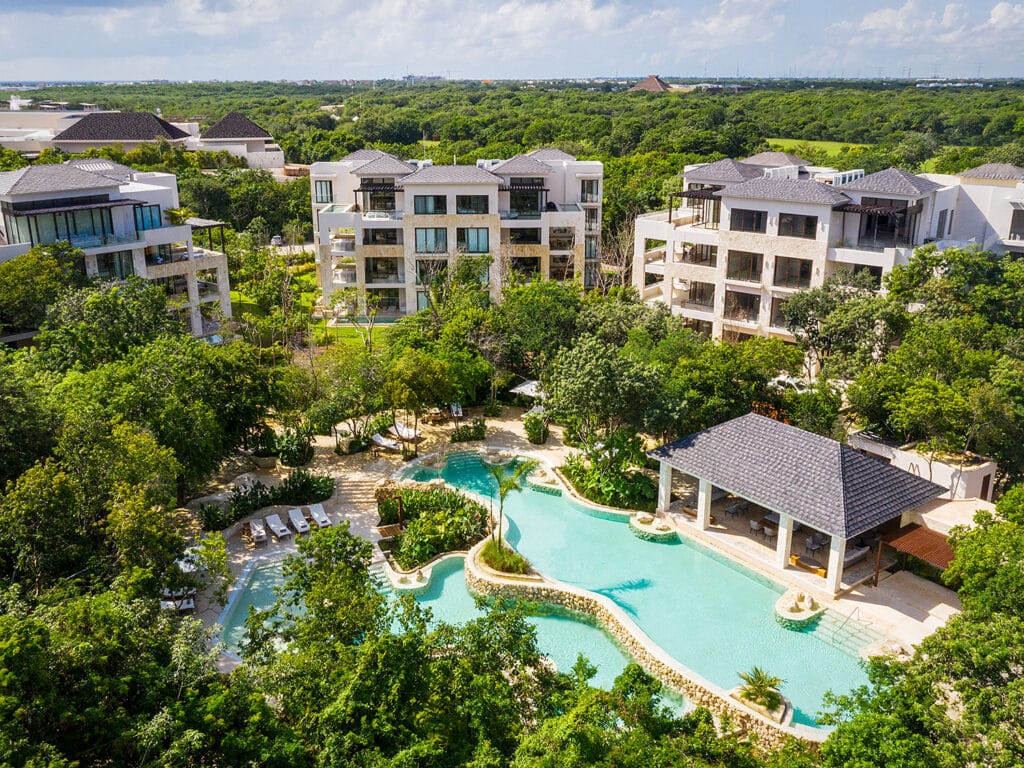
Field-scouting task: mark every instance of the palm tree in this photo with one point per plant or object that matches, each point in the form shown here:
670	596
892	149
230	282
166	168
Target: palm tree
509	477
761	688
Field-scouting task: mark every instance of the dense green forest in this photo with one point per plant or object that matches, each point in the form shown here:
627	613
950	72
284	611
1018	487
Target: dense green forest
644	139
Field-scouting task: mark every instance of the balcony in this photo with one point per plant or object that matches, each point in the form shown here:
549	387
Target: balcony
529	215
99	241
382	215
340	246
345	275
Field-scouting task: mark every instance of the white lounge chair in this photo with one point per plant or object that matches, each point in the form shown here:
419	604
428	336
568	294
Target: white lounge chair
319	516
405	434
383	442
298	521
257	531
182	605
279	529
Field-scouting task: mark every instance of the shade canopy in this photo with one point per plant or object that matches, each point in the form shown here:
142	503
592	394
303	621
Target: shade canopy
922	543
529	388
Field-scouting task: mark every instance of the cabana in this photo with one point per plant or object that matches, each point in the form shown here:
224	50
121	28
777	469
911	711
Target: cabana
800	476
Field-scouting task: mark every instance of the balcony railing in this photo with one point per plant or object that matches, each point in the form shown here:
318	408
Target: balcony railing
1016	234
700	305
343	246
376	278
97	241
382	216
529	215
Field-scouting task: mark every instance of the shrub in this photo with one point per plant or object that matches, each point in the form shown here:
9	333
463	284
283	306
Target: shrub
614	487
504	559
295	447
761	688
477	430
300	487
266	443
440	520
536	427
492	409
415	502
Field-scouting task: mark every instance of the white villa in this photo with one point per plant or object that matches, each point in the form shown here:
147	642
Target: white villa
117	216
748	233
389	227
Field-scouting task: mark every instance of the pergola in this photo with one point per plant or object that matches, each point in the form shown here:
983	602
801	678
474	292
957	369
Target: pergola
802	477
207	226
930	546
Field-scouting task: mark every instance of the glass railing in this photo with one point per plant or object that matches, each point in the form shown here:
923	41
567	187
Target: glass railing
96	241
515	214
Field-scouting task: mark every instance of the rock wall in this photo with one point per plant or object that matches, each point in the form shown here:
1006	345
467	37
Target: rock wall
766	734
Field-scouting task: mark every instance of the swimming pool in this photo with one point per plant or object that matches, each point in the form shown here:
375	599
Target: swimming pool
711	614
560	637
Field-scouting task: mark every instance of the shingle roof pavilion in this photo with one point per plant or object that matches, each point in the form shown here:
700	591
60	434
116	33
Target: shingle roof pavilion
818	481
46	179
728	170
996	171
235	125
121	126
788	191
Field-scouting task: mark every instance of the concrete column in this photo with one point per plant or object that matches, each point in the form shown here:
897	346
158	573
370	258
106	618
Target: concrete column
664	486
836	555
784	545
195	317
224	291
704	505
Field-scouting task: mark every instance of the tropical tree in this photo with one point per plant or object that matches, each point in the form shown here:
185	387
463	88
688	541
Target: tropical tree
508	478
761	688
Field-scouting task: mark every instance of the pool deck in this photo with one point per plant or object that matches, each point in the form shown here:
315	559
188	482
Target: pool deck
903	608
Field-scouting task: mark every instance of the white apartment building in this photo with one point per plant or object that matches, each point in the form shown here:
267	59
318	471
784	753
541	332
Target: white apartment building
117	216
750	233
389	227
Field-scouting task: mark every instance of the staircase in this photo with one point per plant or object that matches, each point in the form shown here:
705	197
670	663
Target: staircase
379	579
847	632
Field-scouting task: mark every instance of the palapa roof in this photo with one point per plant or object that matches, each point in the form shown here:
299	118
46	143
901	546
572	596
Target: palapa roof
892	181
522	165
774	159
652	84
995	171
47	179
787	190
450	174
820	482
235	125
121	126
727	170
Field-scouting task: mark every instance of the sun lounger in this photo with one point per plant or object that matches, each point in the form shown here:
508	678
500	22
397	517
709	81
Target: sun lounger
298	521
405	434
257	531
319	516
456	410
279	529
182	605
383	442
854	555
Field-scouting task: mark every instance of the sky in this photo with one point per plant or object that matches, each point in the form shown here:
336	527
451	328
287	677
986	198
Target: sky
506	39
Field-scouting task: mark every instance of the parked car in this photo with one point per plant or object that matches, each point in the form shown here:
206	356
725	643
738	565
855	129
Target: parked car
277	240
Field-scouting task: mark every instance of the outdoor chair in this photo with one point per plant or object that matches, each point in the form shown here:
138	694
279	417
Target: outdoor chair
756	527
279	529
298	521
319	516
257	531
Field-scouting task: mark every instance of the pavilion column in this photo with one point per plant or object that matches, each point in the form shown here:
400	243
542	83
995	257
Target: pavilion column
836	555
704	505
784	545
664	487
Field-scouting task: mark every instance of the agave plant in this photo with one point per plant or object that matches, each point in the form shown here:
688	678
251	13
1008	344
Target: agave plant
761	688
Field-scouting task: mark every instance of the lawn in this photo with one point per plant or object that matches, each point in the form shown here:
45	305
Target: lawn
831	147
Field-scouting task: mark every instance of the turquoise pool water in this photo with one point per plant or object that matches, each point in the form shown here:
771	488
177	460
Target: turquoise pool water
713	615
559	637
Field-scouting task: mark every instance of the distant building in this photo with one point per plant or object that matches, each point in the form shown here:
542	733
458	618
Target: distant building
241	137
117	216
129	129
389	227
652	84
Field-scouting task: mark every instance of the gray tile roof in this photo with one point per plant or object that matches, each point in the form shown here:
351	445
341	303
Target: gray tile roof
774	159
997	171
235	125
787	190
120	126
47	179
363	156
550	153
522	165
386	165
450	174
104	167
892	181
727	170
820	482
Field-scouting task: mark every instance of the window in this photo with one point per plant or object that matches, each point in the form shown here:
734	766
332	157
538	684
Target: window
742	220
589	191
778	319
115	265
427	204
744	265
324	191
593	219
147	217
431	240
524	236
590	247
793	273
471	204
380	237
940	228
701	295
704	255
703	327
742	306
797	225
950	230
472	239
